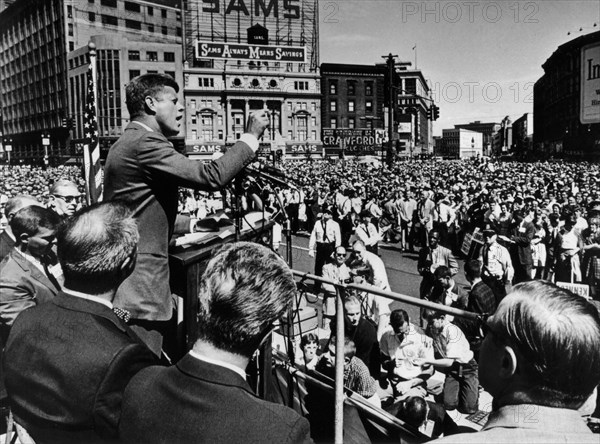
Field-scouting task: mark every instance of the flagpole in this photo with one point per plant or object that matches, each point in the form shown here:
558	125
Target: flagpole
415	50
92	51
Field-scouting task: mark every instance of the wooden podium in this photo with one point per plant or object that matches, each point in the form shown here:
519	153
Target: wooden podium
187	264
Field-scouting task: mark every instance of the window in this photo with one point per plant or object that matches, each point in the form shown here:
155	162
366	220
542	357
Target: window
303	105
178	16
351	123
150	10
193	104
209	82
301	85
111	3
333	122
134	73
110	20
194	134
332	87
71	46
290	121
313	106
410	86
92	16
170	73
70	11
313	135
169	56
290	135
220	133
152	56
150	28
351	106
163	13
368	88
302	122
369	124
220	120
178	31
369	106
152	71
207	134
313	121
164	30
133	24
133	55
130	6
351	87
333	105
207	120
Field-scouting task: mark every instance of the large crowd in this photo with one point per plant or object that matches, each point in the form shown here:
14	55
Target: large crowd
88	320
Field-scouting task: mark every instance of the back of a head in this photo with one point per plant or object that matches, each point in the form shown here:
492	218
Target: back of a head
473	269
93	245
28	221
398	317
18	202
558	334
413	411
246	287
143	86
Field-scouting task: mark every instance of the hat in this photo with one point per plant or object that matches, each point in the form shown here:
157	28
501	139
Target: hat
489	229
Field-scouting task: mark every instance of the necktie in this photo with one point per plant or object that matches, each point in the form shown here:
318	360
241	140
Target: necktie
51	277
122	314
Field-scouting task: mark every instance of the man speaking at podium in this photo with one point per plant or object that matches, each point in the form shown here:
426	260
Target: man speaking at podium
144	170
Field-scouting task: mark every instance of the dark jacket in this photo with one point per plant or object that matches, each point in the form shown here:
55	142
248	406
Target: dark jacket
66	366
195	401
144	170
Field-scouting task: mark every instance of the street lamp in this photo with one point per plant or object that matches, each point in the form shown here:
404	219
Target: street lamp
8	148
46	144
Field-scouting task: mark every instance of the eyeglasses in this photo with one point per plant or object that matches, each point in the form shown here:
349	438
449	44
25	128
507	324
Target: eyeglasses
68	199
340	254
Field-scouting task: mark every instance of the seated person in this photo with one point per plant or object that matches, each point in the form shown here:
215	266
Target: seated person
307	357
356	373
398	348
454	358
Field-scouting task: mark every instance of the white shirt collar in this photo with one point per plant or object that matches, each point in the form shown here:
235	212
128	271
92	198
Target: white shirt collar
88	297
35	261
238	370
143	125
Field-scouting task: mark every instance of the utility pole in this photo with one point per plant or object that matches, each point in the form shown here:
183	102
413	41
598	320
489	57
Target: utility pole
391	63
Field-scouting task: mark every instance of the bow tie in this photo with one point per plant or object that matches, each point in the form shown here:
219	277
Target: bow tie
124	315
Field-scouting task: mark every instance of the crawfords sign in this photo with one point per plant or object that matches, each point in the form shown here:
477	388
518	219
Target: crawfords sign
239	51
358	141
590	84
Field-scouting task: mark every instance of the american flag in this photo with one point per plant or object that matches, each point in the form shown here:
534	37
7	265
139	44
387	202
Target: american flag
91	148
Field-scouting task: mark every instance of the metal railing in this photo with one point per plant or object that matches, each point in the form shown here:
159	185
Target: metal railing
339	334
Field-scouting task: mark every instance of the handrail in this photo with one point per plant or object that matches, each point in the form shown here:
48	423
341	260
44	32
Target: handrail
339	346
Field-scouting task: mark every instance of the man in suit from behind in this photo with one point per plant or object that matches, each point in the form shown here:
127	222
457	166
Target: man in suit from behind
520	250
14	204
144	170
25	276
67	362
205	396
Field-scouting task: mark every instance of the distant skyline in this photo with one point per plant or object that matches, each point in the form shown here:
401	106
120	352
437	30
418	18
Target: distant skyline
481	58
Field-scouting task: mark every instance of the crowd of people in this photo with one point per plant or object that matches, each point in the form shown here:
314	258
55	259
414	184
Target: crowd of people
86	310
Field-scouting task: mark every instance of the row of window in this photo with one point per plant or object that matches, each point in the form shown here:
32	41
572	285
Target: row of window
130	24
350	87
151	56
208	134
136	72
135	7
333	123
351	106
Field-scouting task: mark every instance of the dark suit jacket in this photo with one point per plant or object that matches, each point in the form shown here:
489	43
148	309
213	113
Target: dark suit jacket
22	285
521	249
66	366
6	245
194	401
144	170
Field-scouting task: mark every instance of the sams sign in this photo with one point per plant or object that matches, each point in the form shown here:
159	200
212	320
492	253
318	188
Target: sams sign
288	9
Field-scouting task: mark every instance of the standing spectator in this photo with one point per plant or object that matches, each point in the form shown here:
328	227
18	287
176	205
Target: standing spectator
406	215
324	238
144	170
443	218
430	258
424	217
64	197
552	232
497	269
538	248
293	199
67	362
520	250
25	276
338	272
567	248
367	232
13	205
453	357
591	258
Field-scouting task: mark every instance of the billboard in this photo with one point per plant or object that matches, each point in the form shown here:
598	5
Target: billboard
303	148
353	141
590	84
240	51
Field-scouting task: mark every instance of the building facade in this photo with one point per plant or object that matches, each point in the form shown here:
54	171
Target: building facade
562	96
522	135
458	143
249	55
492	142
43	63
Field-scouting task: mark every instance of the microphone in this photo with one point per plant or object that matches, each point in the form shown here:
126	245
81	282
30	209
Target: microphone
270	174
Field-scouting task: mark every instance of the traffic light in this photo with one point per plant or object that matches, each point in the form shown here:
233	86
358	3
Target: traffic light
436	112
65	122
429	113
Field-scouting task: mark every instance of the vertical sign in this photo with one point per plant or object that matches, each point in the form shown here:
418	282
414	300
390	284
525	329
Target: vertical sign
590	84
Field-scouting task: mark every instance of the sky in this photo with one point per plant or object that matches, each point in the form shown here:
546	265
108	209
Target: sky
481	58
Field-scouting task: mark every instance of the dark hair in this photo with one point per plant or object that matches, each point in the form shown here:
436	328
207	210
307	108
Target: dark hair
143	86
473	269
17	203
309	338
399	317
28	221
349	346
413	411
94	243
442	272
558	335
246	287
